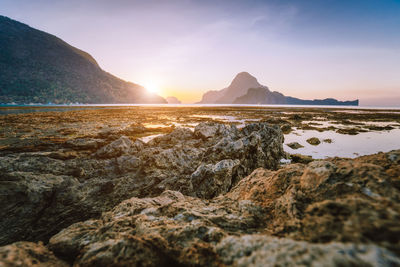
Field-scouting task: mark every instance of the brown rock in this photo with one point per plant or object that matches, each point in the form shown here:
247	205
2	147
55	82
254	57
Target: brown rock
299	158
286	128
313	141
331	200
28	254
294	145
43	195
324	213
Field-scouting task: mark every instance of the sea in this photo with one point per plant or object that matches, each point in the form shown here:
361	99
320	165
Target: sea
27	108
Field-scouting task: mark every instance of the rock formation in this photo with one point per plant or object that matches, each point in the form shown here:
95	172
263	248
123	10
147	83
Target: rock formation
173	100
238	87
263	95
37	67
313	141
45	192
28	254
328	213
245	89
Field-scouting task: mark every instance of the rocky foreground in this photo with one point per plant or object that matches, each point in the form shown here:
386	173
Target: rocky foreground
214	196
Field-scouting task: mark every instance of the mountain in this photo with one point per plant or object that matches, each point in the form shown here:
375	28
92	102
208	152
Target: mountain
263	95
38	67
238	87
245	89
173	100
260	95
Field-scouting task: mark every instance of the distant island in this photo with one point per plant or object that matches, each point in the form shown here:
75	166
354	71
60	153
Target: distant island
38	67
245	89
173	100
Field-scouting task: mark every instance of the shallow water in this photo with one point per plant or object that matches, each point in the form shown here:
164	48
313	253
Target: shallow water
349	146
326	124
17	109
26	109
146	139
342	146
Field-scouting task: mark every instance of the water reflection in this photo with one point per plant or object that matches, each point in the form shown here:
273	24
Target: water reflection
343	145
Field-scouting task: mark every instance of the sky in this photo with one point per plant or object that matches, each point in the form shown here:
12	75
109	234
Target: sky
346	49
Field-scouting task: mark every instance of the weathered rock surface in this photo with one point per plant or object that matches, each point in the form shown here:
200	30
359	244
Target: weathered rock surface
28	254
295	145
300	158
313	141
337	212
121	146
85	143
337	200
320	202
261	250
43	192
186	231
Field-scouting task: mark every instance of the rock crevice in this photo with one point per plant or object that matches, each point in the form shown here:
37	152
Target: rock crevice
203	163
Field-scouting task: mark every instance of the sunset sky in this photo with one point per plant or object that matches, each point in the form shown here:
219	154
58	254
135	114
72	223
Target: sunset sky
308	49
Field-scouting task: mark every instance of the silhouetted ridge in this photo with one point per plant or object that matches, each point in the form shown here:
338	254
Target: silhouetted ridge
245	89
263	96
38	67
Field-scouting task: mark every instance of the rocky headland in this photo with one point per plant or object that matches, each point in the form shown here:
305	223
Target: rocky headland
213	195
37	67
245	89
173	100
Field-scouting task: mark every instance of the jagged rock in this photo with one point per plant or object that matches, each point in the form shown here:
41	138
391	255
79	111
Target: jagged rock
25	197
325	213
135	128
28	254
84	143
109	133
259	250
174	138
42	195
63	155
121	146
286	128
331	200
299	158
317	203
313	141
128	163
211	180
184	229
209	129
294	145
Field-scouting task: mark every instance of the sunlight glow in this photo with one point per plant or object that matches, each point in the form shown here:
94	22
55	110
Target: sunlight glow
152	87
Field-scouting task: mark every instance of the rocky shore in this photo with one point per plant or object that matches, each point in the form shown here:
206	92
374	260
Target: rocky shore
213	196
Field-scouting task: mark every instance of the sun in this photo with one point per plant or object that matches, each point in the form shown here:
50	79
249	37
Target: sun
152	87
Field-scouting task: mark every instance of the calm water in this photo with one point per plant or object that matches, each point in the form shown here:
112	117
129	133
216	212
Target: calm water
349	146
343	145
17	109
